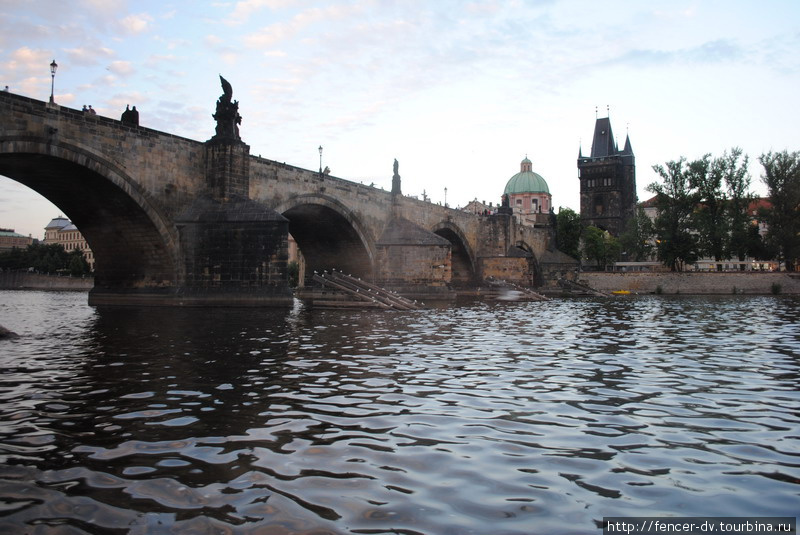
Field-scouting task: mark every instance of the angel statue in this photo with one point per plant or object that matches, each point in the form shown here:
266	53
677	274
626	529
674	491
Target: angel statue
227	116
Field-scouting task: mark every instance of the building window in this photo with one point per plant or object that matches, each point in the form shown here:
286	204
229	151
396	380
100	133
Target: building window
599	205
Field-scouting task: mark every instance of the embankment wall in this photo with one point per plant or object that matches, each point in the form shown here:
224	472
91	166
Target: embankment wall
21	280
694	282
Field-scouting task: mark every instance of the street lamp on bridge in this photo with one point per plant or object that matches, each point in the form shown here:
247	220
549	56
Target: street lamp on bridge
53	67
320	159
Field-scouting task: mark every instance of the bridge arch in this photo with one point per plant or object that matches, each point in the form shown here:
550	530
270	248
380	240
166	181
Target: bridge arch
463	268
522	249
329	235
133	245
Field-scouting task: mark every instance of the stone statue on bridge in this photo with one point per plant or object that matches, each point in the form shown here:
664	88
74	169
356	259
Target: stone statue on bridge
227	116
396	179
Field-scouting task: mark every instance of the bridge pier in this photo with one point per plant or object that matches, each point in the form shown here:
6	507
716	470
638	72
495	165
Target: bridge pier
414	262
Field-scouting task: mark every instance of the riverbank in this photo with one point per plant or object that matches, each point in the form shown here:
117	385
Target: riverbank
22	280
697	283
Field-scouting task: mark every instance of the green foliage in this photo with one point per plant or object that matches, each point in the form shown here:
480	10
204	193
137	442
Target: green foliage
600	246
635	240
568	232
755	247
50	258
676	245
737	182
703	209
705	177
782	178
293	270
78	266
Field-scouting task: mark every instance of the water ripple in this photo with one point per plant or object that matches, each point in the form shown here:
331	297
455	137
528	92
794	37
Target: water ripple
512	419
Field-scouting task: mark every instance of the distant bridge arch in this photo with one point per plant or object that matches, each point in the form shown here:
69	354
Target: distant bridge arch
521	248
133	242
463	258
329	234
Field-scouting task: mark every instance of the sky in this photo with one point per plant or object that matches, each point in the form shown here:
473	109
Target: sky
459	92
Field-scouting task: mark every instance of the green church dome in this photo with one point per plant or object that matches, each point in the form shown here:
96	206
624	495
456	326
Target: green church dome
526	181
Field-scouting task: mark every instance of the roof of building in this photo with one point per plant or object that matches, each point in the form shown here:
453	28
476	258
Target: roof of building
58	222
603	142
758	204
526	181
651	202
10	233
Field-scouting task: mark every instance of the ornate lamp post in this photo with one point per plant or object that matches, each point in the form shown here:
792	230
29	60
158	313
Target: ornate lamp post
320	159
53	67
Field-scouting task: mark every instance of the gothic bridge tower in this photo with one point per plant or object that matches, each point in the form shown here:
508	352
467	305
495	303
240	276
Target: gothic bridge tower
608	181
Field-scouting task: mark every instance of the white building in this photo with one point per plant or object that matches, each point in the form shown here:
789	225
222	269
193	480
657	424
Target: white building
60	230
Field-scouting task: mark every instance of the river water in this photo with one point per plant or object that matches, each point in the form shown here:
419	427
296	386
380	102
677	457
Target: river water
512	418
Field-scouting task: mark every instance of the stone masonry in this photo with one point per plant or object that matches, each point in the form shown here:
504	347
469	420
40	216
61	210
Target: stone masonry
177	221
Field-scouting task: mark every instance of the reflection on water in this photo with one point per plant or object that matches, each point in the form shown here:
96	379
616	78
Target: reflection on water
504	419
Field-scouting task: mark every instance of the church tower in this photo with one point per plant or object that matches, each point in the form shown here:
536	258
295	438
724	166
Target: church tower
608	181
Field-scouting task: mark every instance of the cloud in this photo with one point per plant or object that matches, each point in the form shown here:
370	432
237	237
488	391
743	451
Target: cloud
779	53
103	8
227	53
16	30
133	98
136	24
710	52
121	68
284	31
88	56
213	40
243	10
155	60
26	61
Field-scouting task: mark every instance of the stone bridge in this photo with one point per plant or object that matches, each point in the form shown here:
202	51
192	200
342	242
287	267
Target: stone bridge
177	221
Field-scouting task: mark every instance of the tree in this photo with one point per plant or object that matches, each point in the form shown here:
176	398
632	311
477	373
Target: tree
675	201
636	238
782	178
568	232
720	218
600	246
755	247
50	258
709	217
77	265
737	182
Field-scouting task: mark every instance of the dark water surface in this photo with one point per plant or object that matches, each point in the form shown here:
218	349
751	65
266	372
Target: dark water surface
519	418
